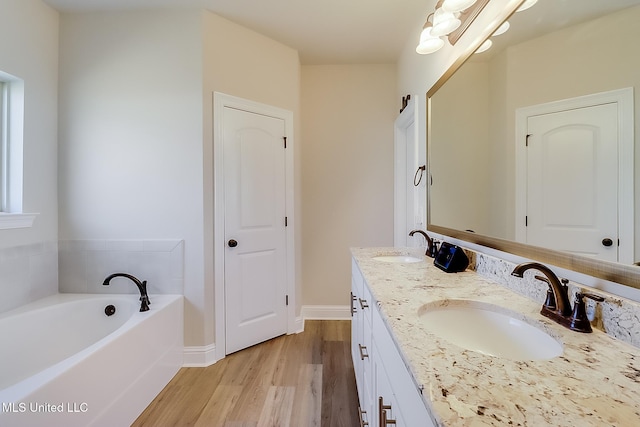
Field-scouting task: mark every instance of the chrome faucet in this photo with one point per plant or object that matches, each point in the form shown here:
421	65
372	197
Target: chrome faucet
142	287
432	247
557	306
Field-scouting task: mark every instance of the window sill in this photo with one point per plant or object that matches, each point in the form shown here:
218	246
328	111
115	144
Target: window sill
16	220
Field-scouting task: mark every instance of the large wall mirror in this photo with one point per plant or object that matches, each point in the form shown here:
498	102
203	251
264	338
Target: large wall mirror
558	57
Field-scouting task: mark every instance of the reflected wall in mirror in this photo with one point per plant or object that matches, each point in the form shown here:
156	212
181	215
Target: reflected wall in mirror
553	51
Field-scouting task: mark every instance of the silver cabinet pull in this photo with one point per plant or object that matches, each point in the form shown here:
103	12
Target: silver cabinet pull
353	306
361	414
363	353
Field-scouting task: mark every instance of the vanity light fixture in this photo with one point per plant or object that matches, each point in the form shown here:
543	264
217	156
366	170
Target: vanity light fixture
449	21
444	22
428	42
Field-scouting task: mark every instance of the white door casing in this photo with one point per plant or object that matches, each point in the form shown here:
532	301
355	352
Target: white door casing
255	212
253	195
409	200
574	182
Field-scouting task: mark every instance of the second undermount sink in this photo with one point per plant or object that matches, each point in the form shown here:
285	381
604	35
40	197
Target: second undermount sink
488	329
397	258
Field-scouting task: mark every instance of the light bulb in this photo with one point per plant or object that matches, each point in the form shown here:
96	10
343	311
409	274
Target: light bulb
526	5
444	23
428	42
502	28
484	46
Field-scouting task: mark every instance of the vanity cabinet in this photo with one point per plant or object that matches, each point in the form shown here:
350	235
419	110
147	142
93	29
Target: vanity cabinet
387	393
361	343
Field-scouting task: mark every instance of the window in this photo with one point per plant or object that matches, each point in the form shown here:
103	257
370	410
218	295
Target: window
11	164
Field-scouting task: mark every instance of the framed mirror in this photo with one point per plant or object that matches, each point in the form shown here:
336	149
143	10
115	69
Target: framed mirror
481	112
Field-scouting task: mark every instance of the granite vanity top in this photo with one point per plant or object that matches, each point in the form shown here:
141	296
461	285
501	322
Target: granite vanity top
595	382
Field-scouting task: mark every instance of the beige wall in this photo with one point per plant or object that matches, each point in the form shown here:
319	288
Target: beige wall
29	51
418	73
458	170
243	63
131	128
348	113
136	129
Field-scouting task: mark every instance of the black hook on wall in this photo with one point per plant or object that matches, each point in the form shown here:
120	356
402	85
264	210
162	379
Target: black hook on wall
405	102
417	177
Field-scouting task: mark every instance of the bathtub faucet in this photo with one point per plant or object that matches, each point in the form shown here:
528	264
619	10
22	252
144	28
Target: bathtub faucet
142	287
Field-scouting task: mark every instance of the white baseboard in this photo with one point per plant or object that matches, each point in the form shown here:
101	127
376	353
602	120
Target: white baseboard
298	325
326	312
199	356
205	355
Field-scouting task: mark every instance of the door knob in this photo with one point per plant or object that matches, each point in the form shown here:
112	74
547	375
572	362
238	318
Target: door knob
607	242
232	243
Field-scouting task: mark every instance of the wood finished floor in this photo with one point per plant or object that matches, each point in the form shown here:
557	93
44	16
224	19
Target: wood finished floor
298	380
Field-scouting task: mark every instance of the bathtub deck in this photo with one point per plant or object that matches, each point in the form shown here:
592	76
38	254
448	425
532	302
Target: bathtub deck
296	380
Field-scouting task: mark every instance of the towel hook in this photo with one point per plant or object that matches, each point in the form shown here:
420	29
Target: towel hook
420	170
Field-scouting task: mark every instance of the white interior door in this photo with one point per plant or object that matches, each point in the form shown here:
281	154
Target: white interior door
255	235
572	181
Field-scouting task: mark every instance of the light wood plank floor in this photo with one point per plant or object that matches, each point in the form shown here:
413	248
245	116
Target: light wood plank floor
301	380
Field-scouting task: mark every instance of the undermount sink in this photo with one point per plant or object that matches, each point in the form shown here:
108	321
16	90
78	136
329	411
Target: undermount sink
397	258
488	329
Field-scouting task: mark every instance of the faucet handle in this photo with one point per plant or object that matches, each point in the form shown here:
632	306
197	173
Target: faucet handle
550	300
433	251
579	320
580	295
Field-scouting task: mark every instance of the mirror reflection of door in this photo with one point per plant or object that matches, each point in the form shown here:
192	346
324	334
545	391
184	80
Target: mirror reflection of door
572	181
410	180
575	179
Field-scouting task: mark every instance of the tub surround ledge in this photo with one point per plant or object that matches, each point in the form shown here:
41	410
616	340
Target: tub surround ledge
595	382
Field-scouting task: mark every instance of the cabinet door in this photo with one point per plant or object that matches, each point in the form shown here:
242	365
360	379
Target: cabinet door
356	340
387	411
407	403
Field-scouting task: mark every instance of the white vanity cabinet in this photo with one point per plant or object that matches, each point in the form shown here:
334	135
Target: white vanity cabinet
387	392
361	342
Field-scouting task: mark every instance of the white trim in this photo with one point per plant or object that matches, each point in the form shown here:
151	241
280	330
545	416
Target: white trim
221	100
199	356
409	116
326	312
16	220
299	325
624	99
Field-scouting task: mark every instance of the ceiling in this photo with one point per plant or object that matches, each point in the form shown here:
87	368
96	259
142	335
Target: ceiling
323	32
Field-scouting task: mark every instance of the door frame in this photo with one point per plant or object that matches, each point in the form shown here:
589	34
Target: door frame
624	99
220	101
407	117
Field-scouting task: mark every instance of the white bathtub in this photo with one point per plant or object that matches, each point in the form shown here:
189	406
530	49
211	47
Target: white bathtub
64	362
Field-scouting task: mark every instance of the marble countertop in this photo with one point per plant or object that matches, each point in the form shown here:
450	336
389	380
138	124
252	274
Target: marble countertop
595	382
